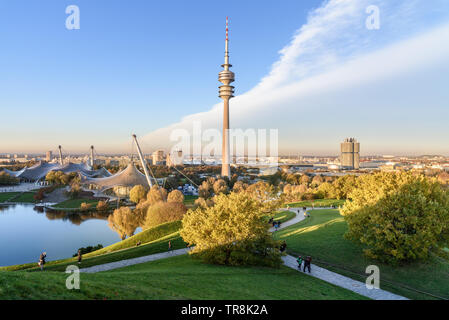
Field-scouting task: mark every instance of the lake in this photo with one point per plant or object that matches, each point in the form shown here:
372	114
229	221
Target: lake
26	231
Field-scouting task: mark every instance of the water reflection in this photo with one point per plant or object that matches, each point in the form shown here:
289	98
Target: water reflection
75	217
26	231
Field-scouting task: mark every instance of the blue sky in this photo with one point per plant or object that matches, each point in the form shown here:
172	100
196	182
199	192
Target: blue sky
143	66
132	67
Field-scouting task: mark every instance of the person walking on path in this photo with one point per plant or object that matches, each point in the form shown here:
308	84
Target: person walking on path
80	256
42	260
299	260
169	246
307	263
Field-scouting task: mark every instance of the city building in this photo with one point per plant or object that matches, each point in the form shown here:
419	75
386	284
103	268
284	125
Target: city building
350	154
158	157
48	156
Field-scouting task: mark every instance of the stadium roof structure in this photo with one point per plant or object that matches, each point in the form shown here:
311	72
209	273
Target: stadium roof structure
41	169
128	177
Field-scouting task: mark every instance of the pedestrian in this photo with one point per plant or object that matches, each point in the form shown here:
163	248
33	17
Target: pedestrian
299	260
80	256
42	260
283	246
307	263
169	245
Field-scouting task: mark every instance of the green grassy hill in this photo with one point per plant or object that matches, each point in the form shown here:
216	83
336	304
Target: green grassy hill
321	236
174	278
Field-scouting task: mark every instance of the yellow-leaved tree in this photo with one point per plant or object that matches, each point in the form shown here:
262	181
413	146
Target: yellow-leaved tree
231	232
399	217
137	193
123	221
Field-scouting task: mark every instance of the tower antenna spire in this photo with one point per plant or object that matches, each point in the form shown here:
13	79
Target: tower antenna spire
226	63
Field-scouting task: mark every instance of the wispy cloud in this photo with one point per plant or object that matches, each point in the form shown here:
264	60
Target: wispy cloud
333	52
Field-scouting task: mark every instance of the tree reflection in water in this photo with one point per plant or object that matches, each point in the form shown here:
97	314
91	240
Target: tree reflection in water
74	217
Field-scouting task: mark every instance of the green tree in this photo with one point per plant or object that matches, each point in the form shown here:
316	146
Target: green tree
232	232
398	216
343	186
137	193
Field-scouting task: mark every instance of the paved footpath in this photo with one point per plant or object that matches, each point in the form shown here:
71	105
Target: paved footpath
130	262
289	261
332	277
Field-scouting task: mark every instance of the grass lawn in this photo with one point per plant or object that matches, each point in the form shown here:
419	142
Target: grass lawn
75	203
317	203
321	236
190	200
284	216
27	197
5	196
174	278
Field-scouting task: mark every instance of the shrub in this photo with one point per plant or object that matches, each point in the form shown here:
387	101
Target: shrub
6	179
39	195
163	212
85	206
102	205
400	217
88	249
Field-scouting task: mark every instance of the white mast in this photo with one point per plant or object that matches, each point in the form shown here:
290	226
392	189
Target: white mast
60	155
92	160
144	163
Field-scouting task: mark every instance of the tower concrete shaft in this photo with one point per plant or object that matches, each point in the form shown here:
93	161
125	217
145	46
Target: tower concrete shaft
92	160
60	155
226	92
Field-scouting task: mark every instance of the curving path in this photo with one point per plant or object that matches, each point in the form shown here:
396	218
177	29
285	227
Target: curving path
289	261
332	277
130	262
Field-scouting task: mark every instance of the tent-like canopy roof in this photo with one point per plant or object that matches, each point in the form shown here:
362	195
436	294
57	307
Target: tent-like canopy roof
40	170
129	177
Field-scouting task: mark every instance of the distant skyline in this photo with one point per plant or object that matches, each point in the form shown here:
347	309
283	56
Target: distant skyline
148	67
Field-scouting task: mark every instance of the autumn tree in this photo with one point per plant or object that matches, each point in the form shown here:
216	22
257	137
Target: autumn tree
137	193
163	212
266	194
220	186
156	194
175	196
239	186
398	216
204	190
232	232
123	221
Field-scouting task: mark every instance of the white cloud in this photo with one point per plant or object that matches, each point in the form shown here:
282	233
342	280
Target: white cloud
333	52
